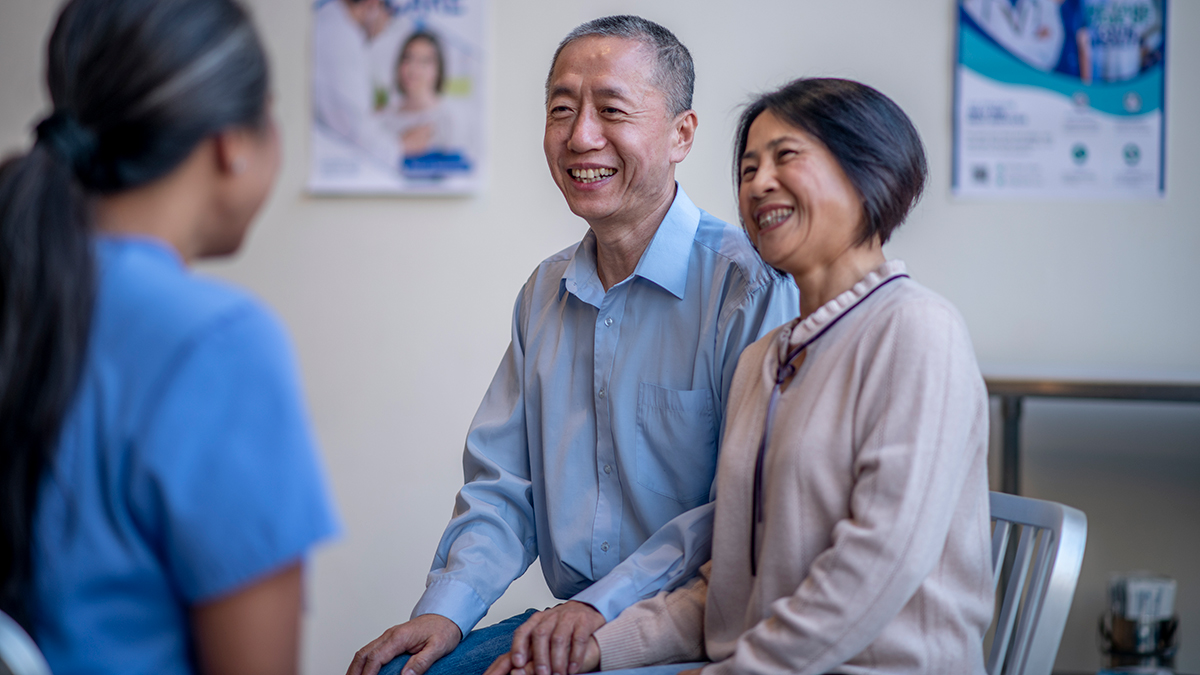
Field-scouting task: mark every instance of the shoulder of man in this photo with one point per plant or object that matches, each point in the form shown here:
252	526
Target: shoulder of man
550	270
544	282
746	273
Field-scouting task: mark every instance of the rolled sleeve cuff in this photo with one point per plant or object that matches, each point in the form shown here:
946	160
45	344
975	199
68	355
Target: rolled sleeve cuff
610	595
455	601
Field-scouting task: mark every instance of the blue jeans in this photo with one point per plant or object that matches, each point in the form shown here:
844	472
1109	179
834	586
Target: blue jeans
474	654
668	669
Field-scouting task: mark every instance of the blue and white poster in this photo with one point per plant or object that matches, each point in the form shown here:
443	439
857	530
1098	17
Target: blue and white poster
398	97
1060	99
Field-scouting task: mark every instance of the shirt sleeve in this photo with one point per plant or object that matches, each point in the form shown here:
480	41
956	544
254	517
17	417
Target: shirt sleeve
763	310
667	628
671	556
226	480
920	430
491	538
674	553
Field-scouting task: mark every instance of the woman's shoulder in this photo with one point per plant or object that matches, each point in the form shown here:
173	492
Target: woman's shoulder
911	306
149	304
915	325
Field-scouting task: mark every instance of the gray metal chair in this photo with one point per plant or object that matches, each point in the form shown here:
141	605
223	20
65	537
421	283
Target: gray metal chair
18	654
1040	584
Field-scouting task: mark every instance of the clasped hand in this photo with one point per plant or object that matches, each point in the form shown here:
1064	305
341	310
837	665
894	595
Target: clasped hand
557	641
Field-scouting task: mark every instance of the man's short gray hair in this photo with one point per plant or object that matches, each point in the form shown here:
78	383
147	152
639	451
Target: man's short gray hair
674	73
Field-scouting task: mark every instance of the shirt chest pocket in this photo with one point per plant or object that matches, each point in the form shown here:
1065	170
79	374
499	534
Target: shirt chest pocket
676	442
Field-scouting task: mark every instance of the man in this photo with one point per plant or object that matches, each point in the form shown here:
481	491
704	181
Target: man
595	446
342	89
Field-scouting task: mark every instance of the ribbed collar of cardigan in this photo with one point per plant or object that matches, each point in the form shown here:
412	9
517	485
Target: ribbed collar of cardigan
802	331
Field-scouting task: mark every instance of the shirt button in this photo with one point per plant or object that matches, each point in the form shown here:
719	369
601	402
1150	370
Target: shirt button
601	393
607	468
608	321
604	547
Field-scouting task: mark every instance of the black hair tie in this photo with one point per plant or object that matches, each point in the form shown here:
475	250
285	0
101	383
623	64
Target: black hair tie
67	138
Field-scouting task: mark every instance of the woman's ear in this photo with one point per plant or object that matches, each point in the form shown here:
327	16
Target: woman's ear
234	149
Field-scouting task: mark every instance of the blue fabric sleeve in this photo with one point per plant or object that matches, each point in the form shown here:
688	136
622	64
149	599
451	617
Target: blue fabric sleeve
675	553
227	482
492	538
764	309
671	556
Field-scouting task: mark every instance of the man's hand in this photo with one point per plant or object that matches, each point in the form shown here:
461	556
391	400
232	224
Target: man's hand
428	638
504	665
557	640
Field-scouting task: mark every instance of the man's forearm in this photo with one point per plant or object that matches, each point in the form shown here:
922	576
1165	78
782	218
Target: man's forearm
670	557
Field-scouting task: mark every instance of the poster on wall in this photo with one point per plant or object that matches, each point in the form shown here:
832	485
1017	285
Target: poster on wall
397	97
1060	99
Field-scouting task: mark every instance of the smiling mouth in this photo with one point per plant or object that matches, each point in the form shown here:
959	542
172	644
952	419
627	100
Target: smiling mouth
590	175
774	217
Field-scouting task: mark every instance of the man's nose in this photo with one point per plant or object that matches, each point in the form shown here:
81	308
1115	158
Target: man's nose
586	133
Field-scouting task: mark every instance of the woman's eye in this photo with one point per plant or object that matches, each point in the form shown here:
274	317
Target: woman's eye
748	171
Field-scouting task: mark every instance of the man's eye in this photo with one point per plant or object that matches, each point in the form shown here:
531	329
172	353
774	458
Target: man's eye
609	110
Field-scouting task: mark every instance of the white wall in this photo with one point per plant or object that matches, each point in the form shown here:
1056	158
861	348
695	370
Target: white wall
400	307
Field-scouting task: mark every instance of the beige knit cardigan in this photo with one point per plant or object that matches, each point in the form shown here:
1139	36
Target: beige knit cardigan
874	553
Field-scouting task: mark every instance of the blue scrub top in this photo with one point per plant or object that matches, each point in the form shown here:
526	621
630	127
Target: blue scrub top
186	469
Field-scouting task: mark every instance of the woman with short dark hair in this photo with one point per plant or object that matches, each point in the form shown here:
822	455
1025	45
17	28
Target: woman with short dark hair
852	530
158	476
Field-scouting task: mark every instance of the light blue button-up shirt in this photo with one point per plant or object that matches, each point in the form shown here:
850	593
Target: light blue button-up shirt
596	442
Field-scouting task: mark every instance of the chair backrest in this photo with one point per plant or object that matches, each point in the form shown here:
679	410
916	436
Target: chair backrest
18	654
1039	585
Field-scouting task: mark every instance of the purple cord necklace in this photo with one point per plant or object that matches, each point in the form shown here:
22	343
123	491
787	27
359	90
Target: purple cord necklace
782	372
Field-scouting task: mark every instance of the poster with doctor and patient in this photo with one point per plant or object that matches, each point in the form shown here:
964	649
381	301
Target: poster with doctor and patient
397	97
1060	99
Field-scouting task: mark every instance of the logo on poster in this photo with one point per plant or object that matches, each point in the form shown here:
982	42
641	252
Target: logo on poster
453	7
1132	153
1079	154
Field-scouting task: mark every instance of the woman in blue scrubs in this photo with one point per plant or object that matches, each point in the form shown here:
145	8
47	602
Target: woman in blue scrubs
159	483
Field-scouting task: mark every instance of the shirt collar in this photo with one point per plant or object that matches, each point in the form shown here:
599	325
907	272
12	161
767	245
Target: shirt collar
152	245
835	308
663	263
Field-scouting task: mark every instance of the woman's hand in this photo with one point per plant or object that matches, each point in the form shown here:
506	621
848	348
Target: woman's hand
416	140
504	665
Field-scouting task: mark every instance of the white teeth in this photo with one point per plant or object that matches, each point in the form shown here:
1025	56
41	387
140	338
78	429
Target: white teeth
591	175
774	217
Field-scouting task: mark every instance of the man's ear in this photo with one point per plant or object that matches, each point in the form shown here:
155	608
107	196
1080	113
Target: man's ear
685	134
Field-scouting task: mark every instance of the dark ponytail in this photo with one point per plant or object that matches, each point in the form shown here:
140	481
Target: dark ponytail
135	85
